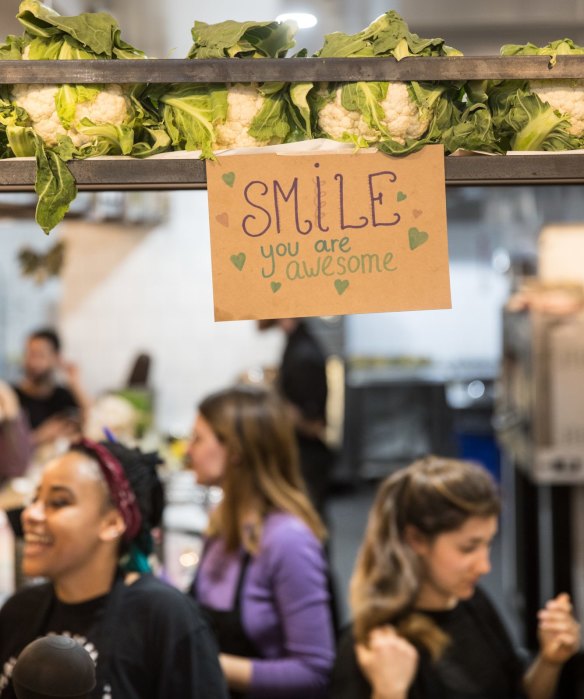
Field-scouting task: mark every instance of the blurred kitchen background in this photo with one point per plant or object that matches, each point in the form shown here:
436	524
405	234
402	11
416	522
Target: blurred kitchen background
499	378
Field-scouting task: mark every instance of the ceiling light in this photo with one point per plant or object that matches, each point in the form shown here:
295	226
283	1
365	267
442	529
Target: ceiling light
304	20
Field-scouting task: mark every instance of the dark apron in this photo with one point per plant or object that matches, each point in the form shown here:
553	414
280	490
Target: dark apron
227	625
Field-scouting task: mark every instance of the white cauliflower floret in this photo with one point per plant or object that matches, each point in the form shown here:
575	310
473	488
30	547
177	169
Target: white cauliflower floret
402	118
243	104
566	97
336	121
110	106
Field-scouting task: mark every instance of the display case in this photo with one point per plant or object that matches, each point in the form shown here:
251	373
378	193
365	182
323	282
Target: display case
178	172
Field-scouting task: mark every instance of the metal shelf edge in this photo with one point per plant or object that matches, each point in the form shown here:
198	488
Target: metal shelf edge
290	69
154	173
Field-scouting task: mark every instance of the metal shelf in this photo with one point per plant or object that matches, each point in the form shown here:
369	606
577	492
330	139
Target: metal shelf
18	175
290	69
189	173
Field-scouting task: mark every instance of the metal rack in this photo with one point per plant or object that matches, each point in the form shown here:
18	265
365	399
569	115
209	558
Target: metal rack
180	173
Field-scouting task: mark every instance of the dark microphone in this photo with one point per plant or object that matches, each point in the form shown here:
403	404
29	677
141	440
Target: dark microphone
53	666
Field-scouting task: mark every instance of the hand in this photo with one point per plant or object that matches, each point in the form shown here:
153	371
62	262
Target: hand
55	428
70	372
558	631
389	662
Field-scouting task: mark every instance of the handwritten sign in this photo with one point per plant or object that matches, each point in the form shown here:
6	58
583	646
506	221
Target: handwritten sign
328	234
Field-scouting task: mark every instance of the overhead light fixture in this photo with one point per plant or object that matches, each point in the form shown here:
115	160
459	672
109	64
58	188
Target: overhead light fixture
304	20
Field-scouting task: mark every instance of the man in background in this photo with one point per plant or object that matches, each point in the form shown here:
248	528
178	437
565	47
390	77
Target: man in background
302	381
53	410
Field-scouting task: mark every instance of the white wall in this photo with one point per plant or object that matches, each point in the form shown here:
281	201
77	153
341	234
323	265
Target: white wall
24	305
158	299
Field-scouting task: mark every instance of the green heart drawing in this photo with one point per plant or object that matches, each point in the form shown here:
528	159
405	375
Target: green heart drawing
275	286
401	196
341	286
417	238
228	178
238	260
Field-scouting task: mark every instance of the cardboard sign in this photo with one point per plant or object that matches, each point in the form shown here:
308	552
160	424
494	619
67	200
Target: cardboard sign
328	234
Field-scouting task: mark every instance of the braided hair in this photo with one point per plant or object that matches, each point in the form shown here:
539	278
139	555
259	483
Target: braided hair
141	473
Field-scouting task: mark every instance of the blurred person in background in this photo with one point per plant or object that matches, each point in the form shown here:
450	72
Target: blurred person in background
53	410
15	438
88	531
302	382
421	627
263	578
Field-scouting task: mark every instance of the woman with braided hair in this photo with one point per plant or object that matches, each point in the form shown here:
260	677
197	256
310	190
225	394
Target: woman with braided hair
88	531
421	627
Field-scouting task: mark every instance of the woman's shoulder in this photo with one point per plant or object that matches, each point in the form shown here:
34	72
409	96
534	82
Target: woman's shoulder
288	541
286	527
151	588
157	597
26	596
24	607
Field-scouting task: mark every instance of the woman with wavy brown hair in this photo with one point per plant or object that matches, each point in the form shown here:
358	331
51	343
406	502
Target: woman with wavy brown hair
421	626
262	579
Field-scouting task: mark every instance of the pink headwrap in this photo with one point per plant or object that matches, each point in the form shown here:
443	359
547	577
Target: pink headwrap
121	492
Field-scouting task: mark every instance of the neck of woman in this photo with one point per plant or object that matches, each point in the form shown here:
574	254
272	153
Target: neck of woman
92	581
431	599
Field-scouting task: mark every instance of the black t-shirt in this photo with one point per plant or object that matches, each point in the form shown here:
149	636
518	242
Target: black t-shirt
159	648
303	382
479	663
37	410
302	376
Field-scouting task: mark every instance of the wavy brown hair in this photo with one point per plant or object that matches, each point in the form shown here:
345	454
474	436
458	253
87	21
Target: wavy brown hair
434	495
262	471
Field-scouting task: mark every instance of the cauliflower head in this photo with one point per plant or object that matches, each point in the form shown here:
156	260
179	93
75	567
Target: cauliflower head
244	103
400	117
342	124
104	104
566	97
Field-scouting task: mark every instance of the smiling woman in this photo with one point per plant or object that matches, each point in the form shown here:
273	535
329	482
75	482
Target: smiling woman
421	626
88	530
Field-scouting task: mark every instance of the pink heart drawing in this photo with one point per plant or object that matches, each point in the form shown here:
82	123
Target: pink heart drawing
223	219
417	212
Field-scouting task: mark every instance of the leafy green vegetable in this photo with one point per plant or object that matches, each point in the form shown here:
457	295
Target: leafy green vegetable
471	130
534	114
388	35
97	32
560	47
208	117
21	140
190	113
91	120
271	122
365	113
241	39
11	48
523	122
55	187
300	114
